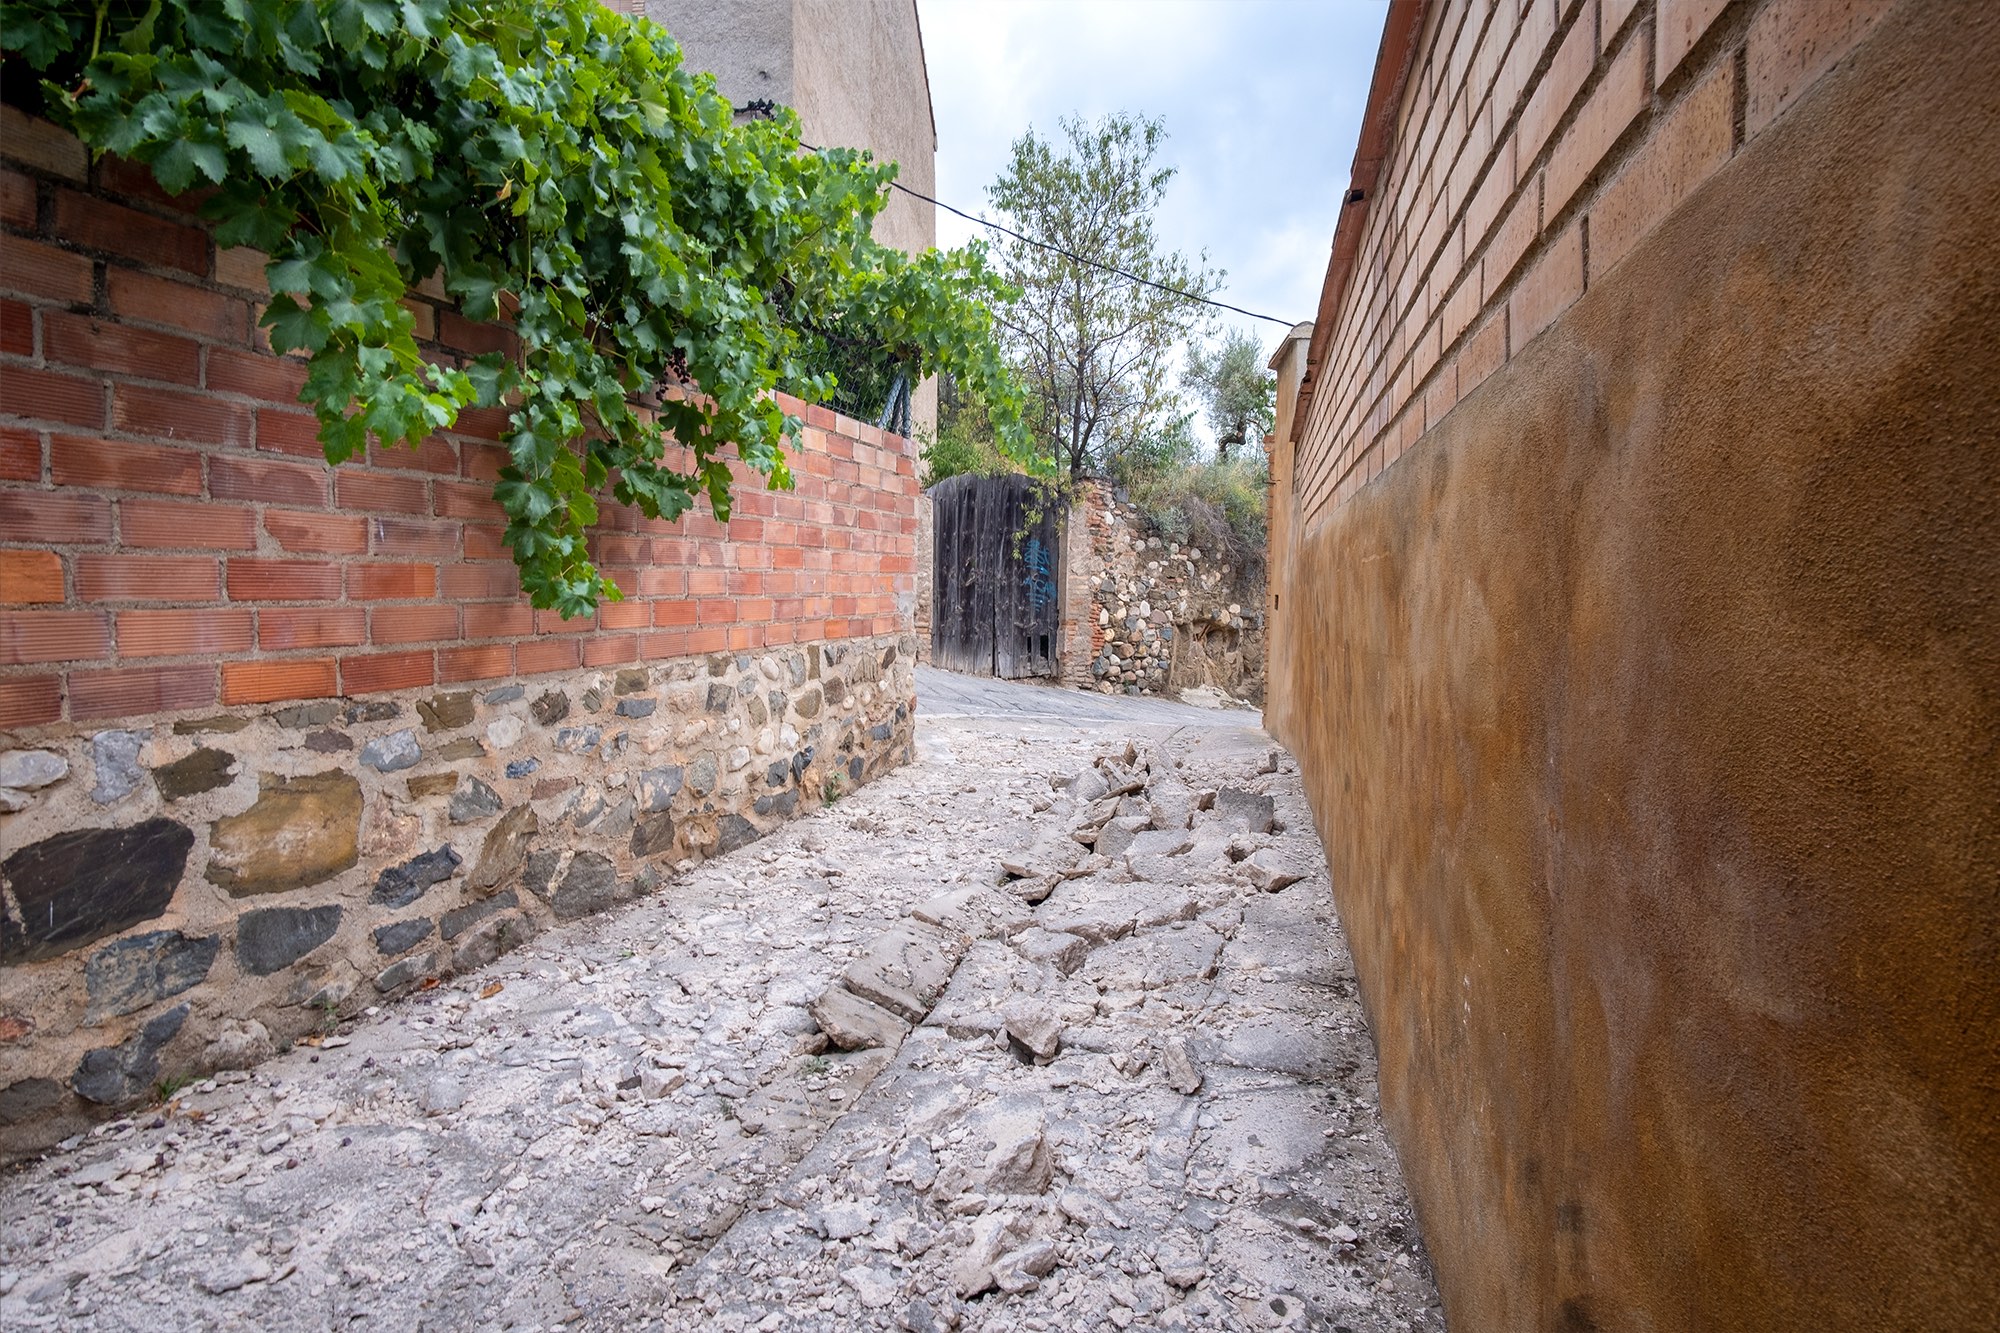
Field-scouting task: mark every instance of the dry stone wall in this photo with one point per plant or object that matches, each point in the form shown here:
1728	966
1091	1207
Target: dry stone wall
1160	617
199	891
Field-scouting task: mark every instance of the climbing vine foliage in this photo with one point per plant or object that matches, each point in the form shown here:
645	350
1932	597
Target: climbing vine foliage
554	165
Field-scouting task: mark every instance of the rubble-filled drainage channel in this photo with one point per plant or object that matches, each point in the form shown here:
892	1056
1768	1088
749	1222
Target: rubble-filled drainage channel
1129	1086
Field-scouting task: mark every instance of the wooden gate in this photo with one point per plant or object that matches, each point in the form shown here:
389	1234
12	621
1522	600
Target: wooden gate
998	607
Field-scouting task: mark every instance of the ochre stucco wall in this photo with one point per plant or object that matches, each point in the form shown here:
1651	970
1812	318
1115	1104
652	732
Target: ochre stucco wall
1651	712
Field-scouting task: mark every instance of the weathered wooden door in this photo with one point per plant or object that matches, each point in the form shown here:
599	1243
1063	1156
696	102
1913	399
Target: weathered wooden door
998	608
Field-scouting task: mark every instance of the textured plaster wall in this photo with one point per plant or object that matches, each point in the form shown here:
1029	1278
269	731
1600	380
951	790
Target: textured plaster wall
861	80
1650	707
746	44
1288	362
852	69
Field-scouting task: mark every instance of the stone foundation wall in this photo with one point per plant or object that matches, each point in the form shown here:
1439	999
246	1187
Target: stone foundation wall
278	739
195	893
1159	617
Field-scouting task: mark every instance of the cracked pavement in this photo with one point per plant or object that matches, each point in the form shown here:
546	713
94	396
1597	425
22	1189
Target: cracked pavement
1144	1097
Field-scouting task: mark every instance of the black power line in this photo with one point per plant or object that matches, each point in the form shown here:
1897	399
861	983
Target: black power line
1079	259
764	107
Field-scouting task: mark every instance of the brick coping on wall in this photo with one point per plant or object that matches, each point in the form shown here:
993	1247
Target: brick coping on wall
1511	155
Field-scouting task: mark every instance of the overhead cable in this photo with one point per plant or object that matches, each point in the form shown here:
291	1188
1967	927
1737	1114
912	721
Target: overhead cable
764	107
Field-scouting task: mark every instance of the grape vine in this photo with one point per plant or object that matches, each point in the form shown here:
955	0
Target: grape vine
555	165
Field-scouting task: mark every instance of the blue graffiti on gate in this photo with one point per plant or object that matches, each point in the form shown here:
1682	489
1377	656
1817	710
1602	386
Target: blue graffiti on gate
1041	584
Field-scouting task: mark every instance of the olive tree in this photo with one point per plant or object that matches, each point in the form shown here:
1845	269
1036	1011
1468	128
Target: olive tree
1101	305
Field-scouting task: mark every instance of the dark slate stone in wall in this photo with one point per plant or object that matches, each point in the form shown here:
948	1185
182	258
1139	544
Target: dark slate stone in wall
461	919
505	848
405	971
28	1099
117	1074
617	822
576	740
196	726
736	831
204	770
399	886
658	787
446	712
783	803
276	937
297	717
126	976
80	886
539	872
401	936
491	938
550	708
472	801
590	886
653	835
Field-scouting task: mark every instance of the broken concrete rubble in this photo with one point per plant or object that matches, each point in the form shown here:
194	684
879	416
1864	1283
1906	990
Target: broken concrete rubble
648	1117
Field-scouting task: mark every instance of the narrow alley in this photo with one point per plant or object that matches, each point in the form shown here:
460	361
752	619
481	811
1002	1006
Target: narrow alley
1141	1093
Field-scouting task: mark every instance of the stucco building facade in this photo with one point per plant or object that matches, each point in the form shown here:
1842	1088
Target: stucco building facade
854	71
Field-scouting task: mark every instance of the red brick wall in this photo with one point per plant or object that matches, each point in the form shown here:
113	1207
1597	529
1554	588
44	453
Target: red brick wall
171	538
1535	142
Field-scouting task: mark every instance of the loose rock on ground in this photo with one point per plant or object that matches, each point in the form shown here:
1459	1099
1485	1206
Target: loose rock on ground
1084	1088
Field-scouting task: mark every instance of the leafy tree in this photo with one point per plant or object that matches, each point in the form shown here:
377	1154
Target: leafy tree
1164	446
553	163
963	440
1091	347
1233	387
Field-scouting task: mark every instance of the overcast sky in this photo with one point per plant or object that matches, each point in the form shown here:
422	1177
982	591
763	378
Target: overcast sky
1262	101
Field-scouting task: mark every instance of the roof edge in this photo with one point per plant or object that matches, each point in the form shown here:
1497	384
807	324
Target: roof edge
1402	31
924	64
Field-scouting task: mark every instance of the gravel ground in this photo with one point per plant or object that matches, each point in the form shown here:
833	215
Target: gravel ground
1141	1091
